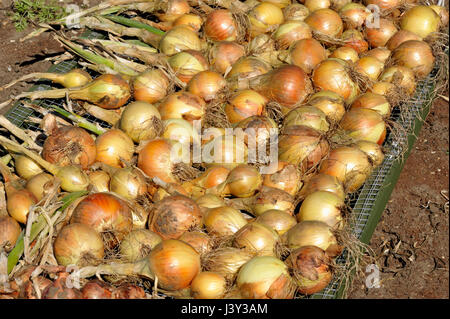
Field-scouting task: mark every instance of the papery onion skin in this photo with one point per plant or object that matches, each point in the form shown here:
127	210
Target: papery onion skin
39	185
150	86
376	102
187	63
345	53
244	70
179	39
364	124
227	261
138	243
265	277
184	105
244	181
279	3
421	20
224	221
128	182
99	180
332	104
400	76
73	178
244	104
354	15
220	26
257	237
326	22
174	215
96	289
322	206
206	84
69	145
10	231
139	120
175	263
384	4
400	37
231	152
373	151
173	9
314	5
442	12
129	291
19	203
287	178
264	17
308	116
354	39
291	31
380	53
379	36
208	285
272	198
278	220
224	54
307	54
180	130
114	147
416	55
323	182
58	289
295	11
382	88
78	244
201	241
192	21
25	167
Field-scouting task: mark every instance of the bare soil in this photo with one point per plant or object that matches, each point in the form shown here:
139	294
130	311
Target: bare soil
412	238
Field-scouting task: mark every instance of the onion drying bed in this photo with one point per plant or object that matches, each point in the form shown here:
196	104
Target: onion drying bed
367	204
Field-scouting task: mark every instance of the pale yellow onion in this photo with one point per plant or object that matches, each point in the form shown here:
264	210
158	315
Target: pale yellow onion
190	20
370	67
323	182
287	178
99	180
40	184
226	151
179	39
382	88
140	121
187	63
245	69
416	55
137	244
201	241
173	9
291	31
354	15
150	86
206	84
224	221
329	103
355	39
373	151
314	5
114	147
400	37
224	54
326	22
278	220
400	76
322	206
295	11
378	36
264	17
421	20
180	130
346	54
208	285
25	167
182	105
373	101
210	201
244	181
128	182
257	237
227	261
309	116
272	198
364	124
244	104
381	53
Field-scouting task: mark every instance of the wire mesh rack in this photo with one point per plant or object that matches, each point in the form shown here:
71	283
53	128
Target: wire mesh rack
362	203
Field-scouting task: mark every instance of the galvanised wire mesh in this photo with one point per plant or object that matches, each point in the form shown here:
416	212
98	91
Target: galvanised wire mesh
362	203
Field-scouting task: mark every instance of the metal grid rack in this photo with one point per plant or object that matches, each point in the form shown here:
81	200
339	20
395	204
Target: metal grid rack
363	202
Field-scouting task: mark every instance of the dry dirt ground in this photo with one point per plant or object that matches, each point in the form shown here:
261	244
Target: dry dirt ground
412	238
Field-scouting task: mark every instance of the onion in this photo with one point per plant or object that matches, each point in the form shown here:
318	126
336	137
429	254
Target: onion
416	55
138	243
129	291
244	181
59	290
227	261
310	266
265	277
384	4
279	3
373	151
332	75
257	237
244	70
258	130
174	215
400	37
302	146
224	221
220	26
381	53
364	124
323	182
174	263
339	4
307	54
322	206
180	130
314	5
308	116
10	231
192	21
226	151
78	244
374	102
326	22
19	200
421	20
296	12
224	54
40	184
354	15
287	85
96	289
25	167
150	86
291	31
345	53
206	84
329	103
402	77
287	178
180	38
105	213
140	121
128	182
201	242
272	198
208	285
244	104
30	288
212	177
442	12
379	36
114	147
265	17
382	88
278	220
99	180
187	63
174	9
313	233
69	145
355	39
208	201
182	105
349	165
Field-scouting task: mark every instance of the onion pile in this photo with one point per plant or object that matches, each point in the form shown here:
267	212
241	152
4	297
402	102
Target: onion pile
237	131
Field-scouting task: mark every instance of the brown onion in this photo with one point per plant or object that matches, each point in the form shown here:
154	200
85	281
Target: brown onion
206	84
140	121
278	220
78	244
322	206
345	53
224	54
272	198
244	104
329	103
150	86
182	105
400	37
326	22
99	180
264	17
307	54
244	181
69	145
128	182
364	124
96	289
180	38
374	102
354	15
401	77
308	116
323	182
295	11
291	31
373	151
208	285
416	55
59	289
381	53
379	36
137	244
10	231
114	147
129	291
201	242
187	63
421	20
257	237
220	26
287	178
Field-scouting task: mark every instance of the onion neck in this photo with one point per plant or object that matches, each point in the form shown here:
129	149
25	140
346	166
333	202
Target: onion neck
140	268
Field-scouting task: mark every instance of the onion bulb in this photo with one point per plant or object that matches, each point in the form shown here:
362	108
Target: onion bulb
174	263
10	231
381	53
244	70
349	165
244	181
279	3
308	116
208	201
182	105
322	206
384	4
96	289
323	182
291	31
206	84
180	130
190	20
25	167
401	76
379	36
173	9
212	177
314	5
220	26
150	86
137	244
272	198
227	261
313	233
40	184
265	17
226	151
174	215
208	285
287	178
69	145
421	20
244	104
78	244
114	147
400	37
354	15
326	22
99	180
416	55
257	237
373	151
257	130
374	102
140	121
59	289
129	291
19	202
345	53
180	38
278	220
382	88
201	241
295	11
307	54
364	124
311	270
329	103
355	39
187	63
224	221
128	182
265	277
106	214
224	54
